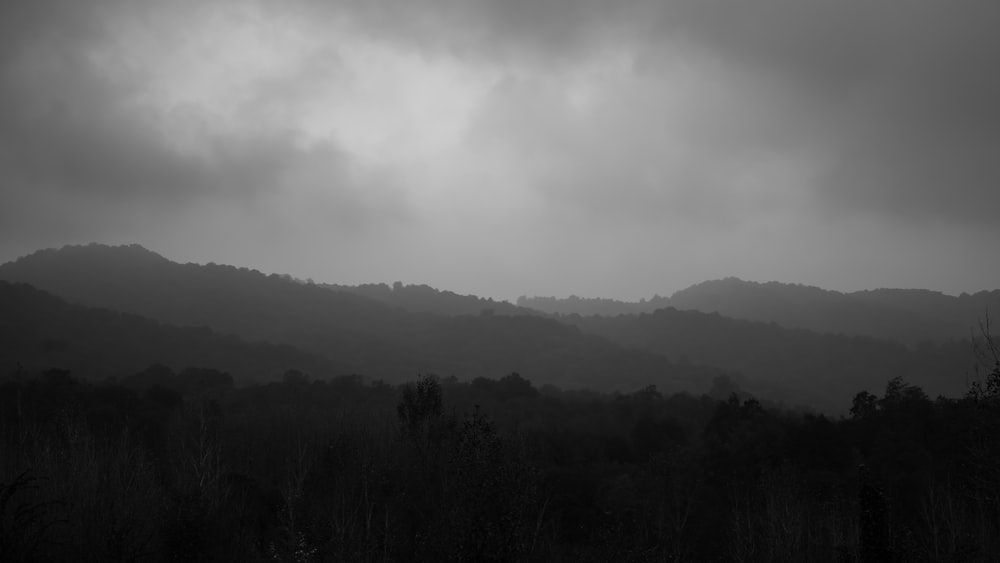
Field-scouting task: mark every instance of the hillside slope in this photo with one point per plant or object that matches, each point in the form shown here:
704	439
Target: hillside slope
923	316
376	340
39	331
910	316
788	364
426	299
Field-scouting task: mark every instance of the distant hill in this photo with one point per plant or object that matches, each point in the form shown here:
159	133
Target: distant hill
378	337
910	316
904	315
574	305
370	337
228	299
39	331
426	299
964	312
788	364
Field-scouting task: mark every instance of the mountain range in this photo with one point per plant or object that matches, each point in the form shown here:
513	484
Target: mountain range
121	308
359	334
39	331
911	316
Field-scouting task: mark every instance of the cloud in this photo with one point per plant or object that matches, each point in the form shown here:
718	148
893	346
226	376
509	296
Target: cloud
489	139
84	119
904	92
899	97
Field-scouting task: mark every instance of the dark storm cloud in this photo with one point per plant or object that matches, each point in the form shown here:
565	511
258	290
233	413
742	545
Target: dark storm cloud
903	95
78	145
549	31
906	93
899	97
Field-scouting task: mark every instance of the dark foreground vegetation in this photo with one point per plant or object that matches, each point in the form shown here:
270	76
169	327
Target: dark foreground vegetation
165	466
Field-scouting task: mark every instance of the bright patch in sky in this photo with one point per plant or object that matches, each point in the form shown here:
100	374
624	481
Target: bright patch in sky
233	73
396	106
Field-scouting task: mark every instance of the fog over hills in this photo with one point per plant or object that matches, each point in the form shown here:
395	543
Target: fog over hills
910	316
368	337
394	332
39	331
793	365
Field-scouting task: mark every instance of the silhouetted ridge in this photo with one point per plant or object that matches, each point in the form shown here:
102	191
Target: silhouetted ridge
426	299
673	349
40	331
235	300
881	314
958	310
378	340
95	255
908	316
790	364
575	305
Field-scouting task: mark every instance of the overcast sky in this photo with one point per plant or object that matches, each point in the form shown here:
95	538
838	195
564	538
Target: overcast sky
506	147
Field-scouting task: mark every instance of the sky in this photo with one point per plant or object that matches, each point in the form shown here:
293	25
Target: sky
513	147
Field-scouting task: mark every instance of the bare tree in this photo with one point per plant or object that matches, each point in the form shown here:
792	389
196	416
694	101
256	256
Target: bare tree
987	351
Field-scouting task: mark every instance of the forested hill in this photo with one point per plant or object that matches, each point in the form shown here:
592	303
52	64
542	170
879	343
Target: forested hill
963	310
789	364
39	331
373	339
905	315
909	316
229	299
426	299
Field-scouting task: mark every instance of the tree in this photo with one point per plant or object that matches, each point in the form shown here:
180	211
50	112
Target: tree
421	407
295	378
987	353
899	393
864	406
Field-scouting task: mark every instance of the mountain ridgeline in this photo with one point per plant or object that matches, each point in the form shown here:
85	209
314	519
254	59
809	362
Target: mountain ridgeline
158	411
114	310
911	316
358	334
792	365
39	331
426	299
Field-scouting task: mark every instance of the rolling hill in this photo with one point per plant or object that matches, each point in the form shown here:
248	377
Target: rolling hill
794	365
909	316
39	331
426	299
367	336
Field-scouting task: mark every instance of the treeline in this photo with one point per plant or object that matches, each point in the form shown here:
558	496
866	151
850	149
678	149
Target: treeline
39	330
165	466
426	299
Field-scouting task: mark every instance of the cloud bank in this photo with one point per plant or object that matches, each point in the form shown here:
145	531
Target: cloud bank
506	147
